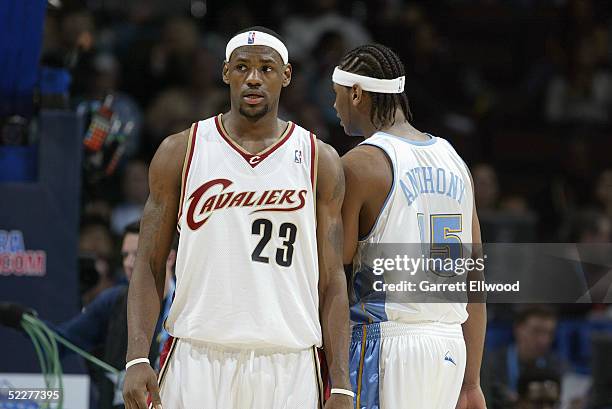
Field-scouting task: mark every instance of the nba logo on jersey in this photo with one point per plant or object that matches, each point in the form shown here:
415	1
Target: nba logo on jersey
298	156
251	38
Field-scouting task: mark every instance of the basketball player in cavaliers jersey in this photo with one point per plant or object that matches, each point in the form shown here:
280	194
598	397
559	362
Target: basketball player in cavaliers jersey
260	282
406	355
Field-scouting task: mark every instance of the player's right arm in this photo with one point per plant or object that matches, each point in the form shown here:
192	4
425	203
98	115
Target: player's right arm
147	284
368	178
351	207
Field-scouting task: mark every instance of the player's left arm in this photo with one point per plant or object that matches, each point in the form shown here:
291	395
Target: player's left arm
333	300
471	396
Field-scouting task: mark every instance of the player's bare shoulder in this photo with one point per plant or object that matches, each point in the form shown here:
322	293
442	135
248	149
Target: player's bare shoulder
167	164
173	147
367	169
328	156
366	162
330	177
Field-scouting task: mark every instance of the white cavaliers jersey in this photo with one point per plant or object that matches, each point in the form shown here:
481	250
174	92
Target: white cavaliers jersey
247	267
430	204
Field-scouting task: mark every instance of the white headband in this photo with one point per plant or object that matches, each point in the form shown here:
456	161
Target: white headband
348	79
256	38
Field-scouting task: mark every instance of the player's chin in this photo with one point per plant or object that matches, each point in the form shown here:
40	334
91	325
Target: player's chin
254	111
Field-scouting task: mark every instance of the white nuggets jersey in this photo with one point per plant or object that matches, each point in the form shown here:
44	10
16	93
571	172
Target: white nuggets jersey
247	268
431	203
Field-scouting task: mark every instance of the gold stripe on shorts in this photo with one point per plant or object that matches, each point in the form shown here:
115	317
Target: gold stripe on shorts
320	388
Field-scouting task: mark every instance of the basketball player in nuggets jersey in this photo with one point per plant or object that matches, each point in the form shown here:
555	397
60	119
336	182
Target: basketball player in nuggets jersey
403	355
260	282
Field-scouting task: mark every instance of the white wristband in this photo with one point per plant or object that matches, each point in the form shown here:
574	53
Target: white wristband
137	361
343	392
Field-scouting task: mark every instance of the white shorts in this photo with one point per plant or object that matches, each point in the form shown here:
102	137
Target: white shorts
204	376
407	366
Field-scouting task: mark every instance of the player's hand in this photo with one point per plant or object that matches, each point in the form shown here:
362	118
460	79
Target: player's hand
338	401
139	379
471	397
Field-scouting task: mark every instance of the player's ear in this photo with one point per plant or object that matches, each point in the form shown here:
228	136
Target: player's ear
287	74
225	72
357	94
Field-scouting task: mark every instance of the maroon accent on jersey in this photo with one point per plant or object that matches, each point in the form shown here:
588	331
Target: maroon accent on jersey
248	199
237	200
324	374
287	197
273	197
223	200
195	199
302	196
164	359
257	158
208	205
226	200
190	153
313	147
263	197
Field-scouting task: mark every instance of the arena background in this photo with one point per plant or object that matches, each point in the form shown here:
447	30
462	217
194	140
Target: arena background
521	88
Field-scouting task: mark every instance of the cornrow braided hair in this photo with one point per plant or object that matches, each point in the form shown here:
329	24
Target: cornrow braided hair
378	61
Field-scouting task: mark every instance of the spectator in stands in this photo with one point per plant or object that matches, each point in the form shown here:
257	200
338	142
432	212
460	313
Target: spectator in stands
590	226
584	94
298	106
96	238
156	57
169	112
176	108
105	79
303	31
486	187
326	53
67	35
102	326
171	56
135	189
534	332
515	204
96	249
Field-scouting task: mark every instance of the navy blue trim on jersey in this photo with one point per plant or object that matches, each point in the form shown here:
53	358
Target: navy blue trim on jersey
382	209
411	142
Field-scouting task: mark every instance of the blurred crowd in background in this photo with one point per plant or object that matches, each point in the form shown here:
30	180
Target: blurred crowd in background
521	88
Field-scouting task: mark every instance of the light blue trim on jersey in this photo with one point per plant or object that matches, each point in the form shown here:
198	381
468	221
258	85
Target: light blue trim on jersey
382	209
411	142
459	156
369	305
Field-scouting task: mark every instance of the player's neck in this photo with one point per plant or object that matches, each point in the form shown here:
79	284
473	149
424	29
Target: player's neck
239	126
403	129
